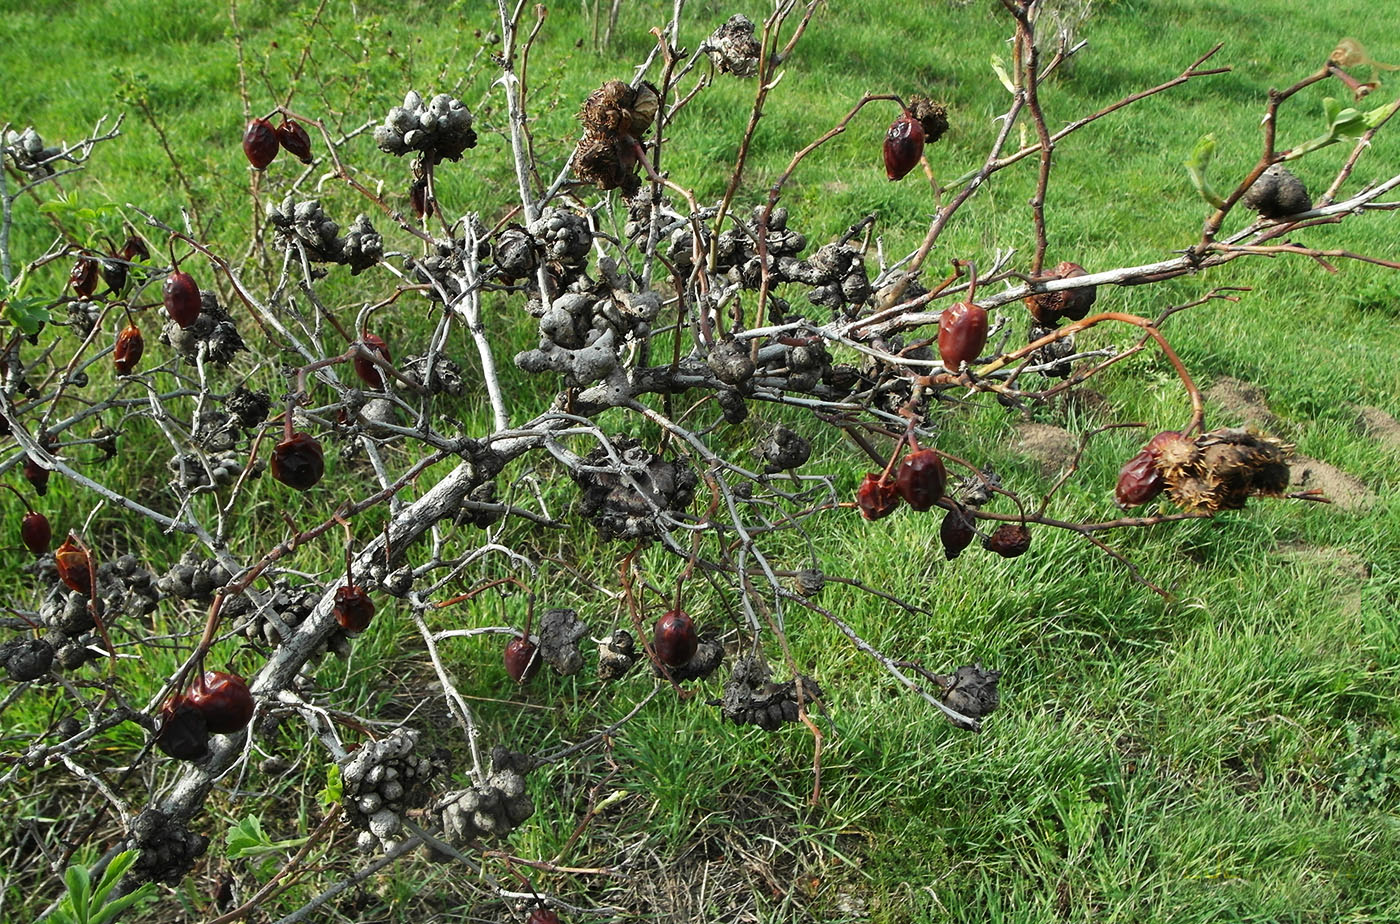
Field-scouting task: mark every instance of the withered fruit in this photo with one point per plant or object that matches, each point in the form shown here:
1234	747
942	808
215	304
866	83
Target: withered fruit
298	461
181	297
904	146
184	733
1008	540
134	249
128	349
367	371
921	479
617	109
1140	480
962	333
224	700
877	497
35	532
1050	308
294	140
83	276
260	143
418	197
956	532
74	568
353	609
674	639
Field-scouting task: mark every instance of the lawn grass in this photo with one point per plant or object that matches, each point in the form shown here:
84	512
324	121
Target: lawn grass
1192	760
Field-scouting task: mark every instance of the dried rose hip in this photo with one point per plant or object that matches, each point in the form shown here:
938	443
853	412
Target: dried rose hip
298	461
83	276
1008	540
74	569
418	197
904	145
134	250
224	700
1138	481
877	496
367	371
113	273
127	352
674	638
184	733
962	333
35	532
1050	308
353	608
956	532
260	143
36	475
522	659
294	139
181	296
542	916
921	479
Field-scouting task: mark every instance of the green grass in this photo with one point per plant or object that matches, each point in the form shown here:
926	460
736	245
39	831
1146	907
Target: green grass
1152	761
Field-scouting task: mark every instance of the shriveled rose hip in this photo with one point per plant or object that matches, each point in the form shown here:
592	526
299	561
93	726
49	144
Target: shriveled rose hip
129	347
962	333
674	638
35	532
294	140
184	733
224	700
367	371
1138	481
956	532
353	608
921	479
83	276
1008	540
877	497
904	145
74	569
181	297
260	143
298	461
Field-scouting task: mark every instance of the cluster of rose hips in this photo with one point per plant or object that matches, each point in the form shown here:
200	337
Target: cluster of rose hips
261	142
218	703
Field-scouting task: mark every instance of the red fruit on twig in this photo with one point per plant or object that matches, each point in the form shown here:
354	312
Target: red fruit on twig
1140	480
35	532
353	608
294	140
904	145
184	733
877	497
83	276
674	638
418	197
542	916
1008	540
522	659
36	475
134	250
128	349
962	333
181	297
74	566
224	700
298	461
260	143
921	479
368	372
956	532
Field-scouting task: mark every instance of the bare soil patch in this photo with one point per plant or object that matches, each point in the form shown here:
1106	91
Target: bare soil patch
1343	489
1245	405
1052	447
1380	426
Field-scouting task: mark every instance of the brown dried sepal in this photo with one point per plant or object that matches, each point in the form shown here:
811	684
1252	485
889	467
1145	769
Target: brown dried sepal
617	109
1050	308
1222	469
932	116
607	162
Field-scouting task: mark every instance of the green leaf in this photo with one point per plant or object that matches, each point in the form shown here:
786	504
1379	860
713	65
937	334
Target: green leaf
1380	114
247	839
115	871
79	883
28	314
1197	165
333	792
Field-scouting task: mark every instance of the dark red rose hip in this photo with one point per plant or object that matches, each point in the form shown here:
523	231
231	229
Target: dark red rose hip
522	659
134	250
298	461
294	140
367	371
260	143
35	532
1008	540
181	297
83	276
921	479
962	333
674	638
74	569
904	145
1138	481
353	609
224	700
184	733
877	497
956	532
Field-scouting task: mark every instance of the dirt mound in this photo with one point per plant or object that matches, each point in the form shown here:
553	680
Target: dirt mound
1245	405
1052	447
1380	426
1345	490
